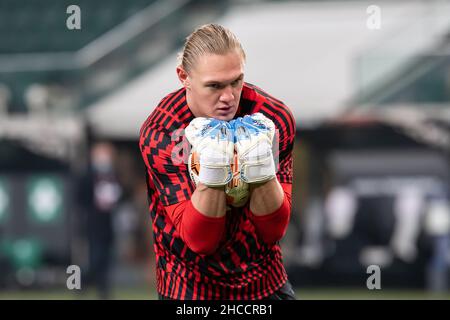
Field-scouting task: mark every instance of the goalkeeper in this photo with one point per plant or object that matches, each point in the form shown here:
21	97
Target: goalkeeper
207	248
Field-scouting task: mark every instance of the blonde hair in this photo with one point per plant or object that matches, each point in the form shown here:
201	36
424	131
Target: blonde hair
209	38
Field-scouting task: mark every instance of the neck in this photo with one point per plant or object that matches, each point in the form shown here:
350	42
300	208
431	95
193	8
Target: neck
190	104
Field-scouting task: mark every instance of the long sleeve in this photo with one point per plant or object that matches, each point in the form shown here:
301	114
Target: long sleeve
272	227
201	234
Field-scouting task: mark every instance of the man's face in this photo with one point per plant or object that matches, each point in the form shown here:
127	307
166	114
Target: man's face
214	85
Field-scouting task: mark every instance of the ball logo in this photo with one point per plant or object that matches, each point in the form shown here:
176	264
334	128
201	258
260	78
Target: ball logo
237	191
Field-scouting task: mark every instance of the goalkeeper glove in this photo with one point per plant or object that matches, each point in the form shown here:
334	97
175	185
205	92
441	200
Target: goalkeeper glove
212	143
254	136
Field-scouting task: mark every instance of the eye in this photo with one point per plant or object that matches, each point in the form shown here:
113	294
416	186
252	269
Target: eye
236	82
214	86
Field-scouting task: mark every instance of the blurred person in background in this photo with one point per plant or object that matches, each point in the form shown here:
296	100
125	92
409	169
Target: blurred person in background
437	226
99	195
206	247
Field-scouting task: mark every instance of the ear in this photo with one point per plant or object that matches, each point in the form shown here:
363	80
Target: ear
183	76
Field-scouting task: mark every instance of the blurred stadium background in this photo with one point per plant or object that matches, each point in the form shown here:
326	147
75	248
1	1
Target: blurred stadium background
371	156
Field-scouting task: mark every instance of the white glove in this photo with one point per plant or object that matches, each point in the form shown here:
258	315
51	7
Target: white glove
212	143
253	142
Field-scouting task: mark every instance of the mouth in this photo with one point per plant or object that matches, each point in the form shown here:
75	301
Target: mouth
225	109
225	113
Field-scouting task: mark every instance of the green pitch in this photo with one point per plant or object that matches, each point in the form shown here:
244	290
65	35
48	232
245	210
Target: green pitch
302	293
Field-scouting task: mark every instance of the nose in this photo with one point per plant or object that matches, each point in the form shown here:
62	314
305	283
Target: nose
227	94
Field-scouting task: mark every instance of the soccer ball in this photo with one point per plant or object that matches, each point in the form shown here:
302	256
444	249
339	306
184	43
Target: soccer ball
237	191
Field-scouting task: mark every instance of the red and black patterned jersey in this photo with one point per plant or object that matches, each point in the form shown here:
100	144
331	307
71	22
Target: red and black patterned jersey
243	267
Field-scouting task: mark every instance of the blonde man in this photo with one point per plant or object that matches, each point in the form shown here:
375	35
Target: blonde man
206	246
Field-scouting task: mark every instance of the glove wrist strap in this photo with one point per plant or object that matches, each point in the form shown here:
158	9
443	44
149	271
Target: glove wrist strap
256	172
215	176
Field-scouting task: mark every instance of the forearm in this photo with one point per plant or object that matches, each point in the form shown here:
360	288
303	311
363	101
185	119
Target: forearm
202	234
266	197
273	218
211	202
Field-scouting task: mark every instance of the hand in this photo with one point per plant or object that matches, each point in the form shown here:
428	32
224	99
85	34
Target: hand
254	136
212	143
